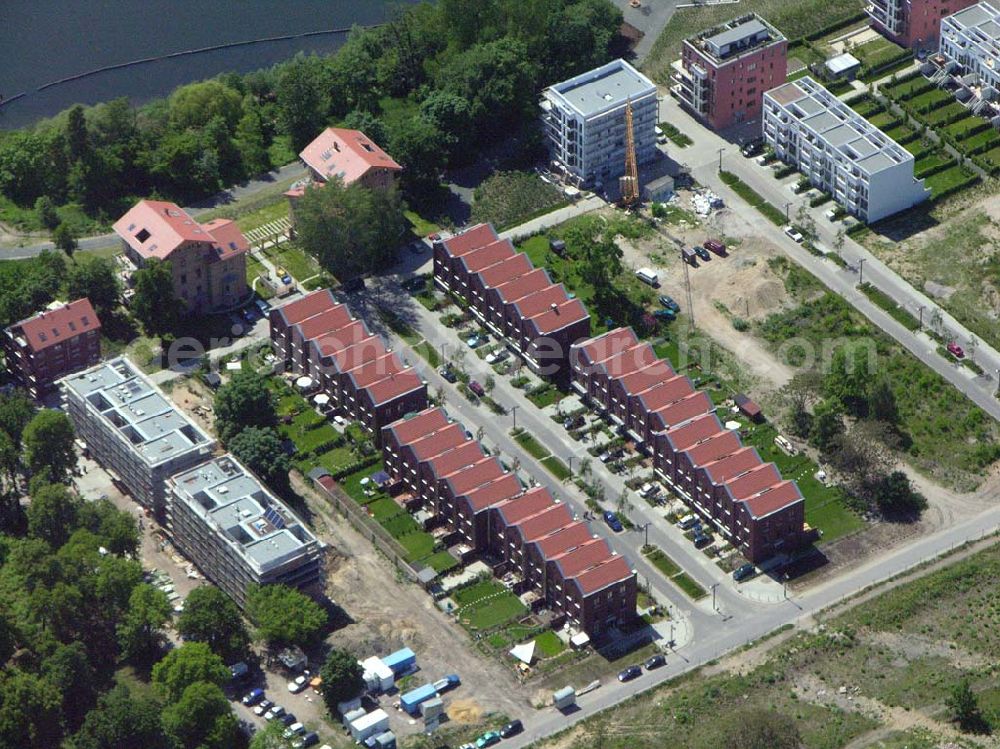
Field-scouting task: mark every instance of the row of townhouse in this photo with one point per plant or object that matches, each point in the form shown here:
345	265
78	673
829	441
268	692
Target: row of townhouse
366	382
433	463
912	23
517	302
706	464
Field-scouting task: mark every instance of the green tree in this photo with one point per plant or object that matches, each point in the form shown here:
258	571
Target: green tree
283	615
418	146
97	281
30	714
202	719
895	496
191	662
251	139
140	633
116	529
121	721
65	239
847	380
244	401
451	115
210	616
882	401
964	707
760	729
195	104
369	124
302	99
827	424
16	410
270	737
154	303
46	211
48	444
77	145
342	679
350	230
599	260
53	514
260	448
68	669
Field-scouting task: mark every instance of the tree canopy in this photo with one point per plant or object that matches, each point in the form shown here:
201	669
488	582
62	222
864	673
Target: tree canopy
211	617
96	280
154	303
244	401
342	679
191	662
261	449
48	444
284	615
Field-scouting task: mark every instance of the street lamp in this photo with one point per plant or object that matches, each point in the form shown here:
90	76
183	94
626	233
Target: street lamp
716	585
861	271
571	464
788	216
721	150
645	529
513	412
921	311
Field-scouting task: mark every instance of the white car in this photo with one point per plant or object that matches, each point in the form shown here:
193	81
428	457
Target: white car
298	685
497	356
295	729
831	214
793	233
262	707
276	711
762	159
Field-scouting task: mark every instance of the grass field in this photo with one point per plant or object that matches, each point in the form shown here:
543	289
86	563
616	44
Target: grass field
905	648
556	467
793	19
486	605
659	559
293	259
531	445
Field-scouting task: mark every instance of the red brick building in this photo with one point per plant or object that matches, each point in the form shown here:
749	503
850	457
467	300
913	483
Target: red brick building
706	464
538	319
317	337
724	71
432	462
913	23
52	344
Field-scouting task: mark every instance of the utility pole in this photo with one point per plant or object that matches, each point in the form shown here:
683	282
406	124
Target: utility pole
788	217
721	150
716	585
861	271
921	311
571	464
513	412
444	346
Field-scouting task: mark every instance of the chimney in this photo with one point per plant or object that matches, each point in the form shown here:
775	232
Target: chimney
554	307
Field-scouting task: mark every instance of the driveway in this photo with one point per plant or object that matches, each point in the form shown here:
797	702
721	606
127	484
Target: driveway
650	18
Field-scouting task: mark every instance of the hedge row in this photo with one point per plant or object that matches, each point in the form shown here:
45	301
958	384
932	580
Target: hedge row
970	180
746	192
843	23
356	466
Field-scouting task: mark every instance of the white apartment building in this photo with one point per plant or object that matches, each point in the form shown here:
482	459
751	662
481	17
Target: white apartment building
584	121
866	172
132	429
970	39
237	532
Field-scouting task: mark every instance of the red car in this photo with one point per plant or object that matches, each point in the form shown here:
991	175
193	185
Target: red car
476	388
955	350
435	237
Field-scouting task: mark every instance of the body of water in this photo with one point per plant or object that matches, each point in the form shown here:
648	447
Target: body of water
45	40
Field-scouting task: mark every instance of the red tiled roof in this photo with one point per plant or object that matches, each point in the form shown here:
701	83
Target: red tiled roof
328	343
353	355
62	324
561	539
487	255
506	270
470	239
663	391
733	464
678	412
309	305
609	572
755	480
515	510
438	442
715	447
409	429
229	240
374	370
155	228
773	499
523	285
348	154
468	478
620	365
464	455
579	558
543	522
698	429
567	313
540	300
327	323
608	344
393	386
494	492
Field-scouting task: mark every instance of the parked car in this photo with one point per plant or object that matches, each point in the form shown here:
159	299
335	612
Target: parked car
687	522
474	341
762	159
275	711
294	729
448	374
488	739
435	237
613	522
630	673
288	719
830	214
310	739
511	729
300	683
655	661
955	350
497	356
417	283
573	422
792	232
701	539
702	253
646	490
714	245
751	149
743	572
476	388
665	314
610	455
669	303
448	682
250	314
262	707
253	697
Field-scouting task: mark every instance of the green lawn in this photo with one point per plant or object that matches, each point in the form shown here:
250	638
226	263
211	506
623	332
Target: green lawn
417	544
420	226
659	559
532	446
440	562
294	260
949	179
548	644
556	467
384	508
486	605
264	215
689	586
546	397
336	459
429	353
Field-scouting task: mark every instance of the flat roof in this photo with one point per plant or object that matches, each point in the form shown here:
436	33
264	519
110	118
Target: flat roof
602	89
842	63
729	40
131	405
238	509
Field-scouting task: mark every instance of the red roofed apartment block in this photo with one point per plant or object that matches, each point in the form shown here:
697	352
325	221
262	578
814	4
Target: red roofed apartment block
541	330
208	261
706	464
52	344
347	155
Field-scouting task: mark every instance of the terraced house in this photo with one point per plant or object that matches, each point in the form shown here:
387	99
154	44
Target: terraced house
517	302
705	463
434	464
970	48
366	382
912	23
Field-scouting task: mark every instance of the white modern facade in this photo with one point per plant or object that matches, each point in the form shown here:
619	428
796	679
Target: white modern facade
584	122
970	41
132	429
866	172
237	532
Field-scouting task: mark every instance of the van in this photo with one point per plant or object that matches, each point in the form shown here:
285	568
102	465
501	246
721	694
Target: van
715	246
647	275
689	256
687	522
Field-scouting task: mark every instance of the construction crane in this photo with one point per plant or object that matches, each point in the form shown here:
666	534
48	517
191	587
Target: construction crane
629	183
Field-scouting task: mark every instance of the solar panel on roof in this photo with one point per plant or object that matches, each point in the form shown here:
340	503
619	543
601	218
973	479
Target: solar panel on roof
272	516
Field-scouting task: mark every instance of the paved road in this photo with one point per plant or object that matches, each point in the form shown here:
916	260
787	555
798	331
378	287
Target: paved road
231	195
649	18
703	158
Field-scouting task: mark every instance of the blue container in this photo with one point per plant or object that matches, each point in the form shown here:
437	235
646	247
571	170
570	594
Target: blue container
401	661
412	700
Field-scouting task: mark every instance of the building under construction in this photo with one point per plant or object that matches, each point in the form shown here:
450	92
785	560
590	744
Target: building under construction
584	119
